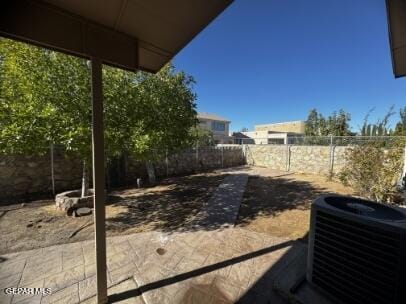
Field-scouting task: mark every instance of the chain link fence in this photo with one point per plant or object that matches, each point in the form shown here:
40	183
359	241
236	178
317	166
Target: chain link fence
322	140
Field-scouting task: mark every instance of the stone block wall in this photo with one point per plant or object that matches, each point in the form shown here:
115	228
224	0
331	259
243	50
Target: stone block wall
203	159
310	159
304	159
270	156
29	177
339	158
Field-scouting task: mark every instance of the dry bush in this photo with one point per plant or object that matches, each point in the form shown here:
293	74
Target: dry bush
373	170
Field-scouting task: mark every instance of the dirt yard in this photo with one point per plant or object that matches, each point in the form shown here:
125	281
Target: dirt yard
279	204
165	207
276	203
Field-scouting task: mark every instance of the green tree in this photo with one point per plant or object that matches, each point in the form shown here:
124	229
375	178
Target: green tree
24	117
165	116
201	137
341	124
323	127
51	90
335	124
400	129
366	129
369	130
380	127
45	98
312	123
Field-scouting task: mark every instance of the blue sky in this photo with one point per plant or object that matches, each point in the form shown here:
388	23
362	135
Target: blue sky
266	61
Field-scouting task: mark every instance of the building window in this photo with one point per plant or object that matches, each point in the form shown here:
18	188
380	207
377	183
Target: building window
218	126
276	141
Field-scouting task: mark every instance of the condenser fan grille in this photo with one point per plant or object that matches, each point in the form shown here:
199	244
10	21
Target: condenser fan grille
355	262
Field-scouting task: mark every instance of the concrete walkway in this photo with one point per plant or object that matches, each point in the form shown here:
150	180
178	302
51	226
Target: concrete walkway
221	210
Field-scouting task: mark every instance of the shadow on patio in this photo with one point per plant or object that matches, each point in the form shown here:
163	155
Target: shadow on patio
258	291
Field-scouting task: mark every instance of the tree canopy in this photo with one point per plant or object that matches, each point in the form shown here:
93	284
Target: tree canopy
400	128
45	98
336	124
380	127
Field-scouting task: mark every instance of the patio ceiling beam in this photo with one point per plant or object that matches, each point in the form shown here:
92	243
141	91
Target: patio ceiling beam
47	26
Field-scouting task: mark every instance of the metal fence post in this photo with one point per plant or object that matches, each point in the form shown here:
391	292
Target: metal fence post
52	169
244	154
197	154
222	156
331	158
403	178
166	162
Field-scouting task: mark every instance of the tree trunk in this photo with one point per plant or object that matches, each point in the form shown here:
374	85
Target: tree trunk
151	172
85	180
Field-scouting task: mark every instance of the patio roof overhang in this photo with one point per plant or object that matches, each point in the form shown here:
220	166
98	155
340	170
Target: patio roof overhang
130	34
396	11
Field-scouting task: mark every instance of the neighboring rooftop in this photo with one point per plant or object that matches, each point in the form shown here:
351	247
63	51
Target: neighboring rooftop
204	115
297	126
281	123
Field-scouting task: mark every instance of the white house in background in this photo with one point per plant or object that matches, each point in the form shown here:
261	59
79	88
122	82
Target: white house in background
218	125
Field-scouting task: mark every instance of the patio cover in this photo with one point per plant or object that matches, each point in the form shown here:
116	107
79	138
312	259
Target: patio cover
396	10
130	34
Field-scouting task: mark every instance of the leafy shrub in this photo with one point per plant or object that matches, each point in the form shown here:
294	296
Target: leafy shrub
374	170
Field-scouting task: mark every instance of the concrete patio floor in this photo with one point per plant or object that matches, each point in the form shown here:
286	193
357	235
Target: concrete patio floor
222	266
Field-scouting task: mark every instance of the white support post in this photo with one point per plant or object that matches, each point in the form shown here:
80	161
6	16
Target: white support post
99	179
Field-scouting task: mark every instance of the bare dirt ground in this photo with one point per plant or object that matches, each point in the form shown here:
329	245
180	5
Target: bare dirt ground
279	204
167	206
274	202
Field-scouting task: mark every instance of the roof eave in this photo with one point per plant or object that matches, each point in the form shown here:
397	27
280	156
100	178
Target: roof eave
53	27
395	10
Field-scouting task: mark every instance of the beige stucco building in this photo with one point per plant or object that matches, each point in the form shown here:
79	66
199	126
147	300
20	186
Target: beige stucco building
275	133
218	125
297	127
